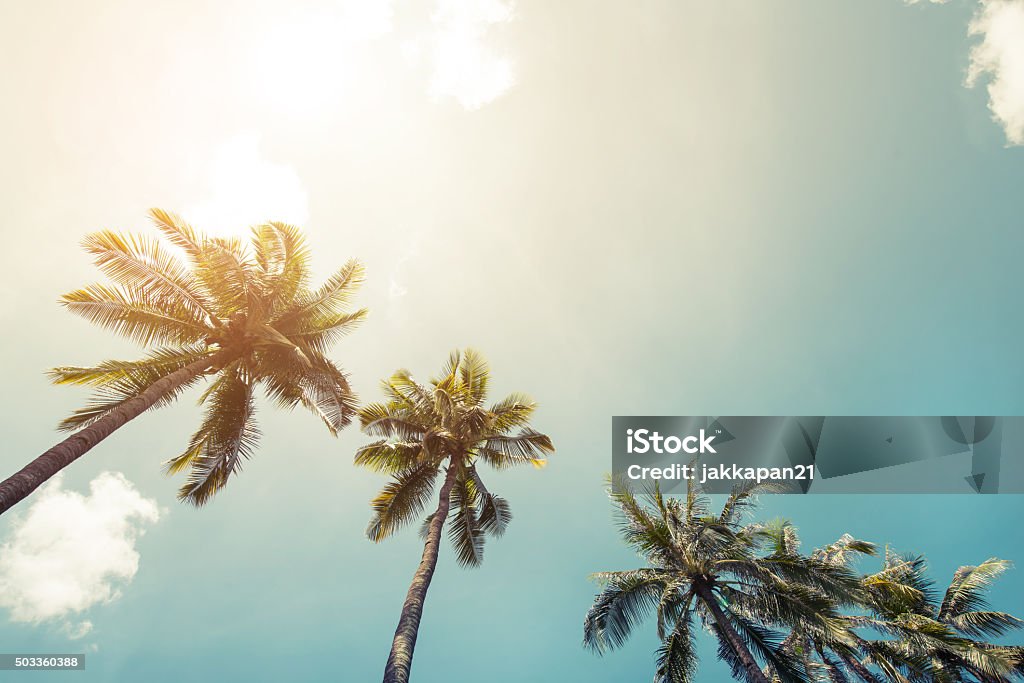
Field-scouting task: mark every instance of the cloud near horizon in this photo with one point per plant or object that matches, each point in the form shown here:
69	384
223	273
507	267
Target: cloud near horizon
70	551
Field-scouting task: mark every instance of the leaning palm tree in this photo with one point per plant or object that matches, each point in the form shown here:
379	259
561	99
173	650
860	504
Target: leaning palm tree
952	636
851	656
922	640
443	427
238	315
721	572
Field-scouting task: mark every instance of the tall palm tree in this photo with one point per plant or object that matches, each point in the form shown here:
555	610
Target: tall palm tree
427	429
239	315
720	571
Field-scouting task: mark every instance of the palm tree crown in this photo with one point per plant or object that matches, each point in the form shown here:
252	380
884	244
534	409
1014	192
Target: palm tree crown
946	640
424	428
245	312
739	580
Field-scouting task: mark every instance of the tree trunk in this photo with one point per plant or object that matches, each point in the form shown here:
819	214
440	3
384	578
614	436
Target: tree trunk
747	661
19	485
400	660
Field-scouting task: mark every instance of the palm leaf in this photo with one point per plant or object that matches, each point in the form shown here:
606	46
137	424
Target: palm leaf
401	500
464	531
226	437
121	381
140	263
625	600
136	315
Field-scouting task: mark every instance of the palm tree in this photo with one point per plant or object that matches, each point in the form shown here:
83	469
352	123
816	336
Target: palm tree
236	314
720	571
951	637
922	639
837	658
440	427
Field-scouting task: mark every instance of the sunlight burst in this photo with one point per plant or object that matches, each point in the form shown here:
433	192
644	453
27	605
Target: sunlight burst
245	189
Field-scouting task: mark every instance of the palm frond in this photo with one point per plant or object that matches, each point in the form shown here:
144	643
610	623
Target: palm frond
474	374
140	263
320	333
625	600
335	292
677	656
464	531
389	456
764	643
391	422
513	411
495	513
283	258
985	623
121	381
401	500
742	498
967	591
178	232
226	437
528	446
137	315
224	270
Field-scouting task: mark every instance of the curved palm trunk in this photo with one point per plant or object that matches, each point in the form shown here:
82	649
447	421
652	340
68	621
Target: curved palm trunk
751	669
400	660
19	485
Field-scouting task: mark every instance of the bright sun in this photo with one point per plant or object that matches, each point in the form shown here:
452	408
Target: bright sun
245	189
310	64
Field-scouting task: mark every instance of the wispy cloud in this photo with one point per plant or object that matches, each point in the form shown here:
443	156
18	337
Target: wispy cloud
999	60
72	551
459	51
244	189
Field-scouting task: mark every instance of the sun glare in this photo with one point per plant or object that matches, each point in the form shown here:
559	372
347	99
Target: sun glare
303	64
245	189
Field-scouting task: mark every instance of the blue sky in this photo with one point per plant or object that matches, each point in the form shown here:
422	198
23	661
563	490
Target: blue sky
677	208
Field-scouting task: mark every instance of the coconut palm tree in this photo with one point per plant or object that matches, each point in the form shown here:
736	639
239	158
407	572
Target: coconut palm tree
443	430
837	659
922	640
721	572
237	315
952	637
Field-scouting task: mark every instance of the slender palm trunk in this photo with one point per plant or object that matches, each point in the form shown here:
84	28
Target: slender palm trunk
751	669
400	660
19	485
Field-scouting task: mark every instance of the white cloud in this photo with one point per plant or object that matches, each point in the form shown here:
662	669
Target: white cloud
245	189
72	551
465	66
918	2
999	59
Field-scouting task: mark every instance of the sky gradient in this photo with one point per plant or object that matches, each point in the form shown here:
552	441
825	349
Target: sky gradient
669	208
